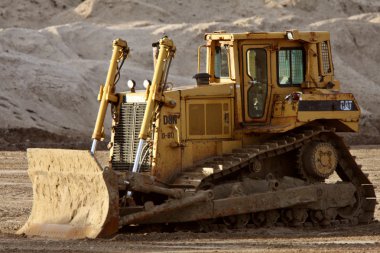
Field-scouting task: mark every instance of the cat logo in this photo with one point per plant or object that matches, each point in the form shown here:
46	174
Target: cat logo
346	105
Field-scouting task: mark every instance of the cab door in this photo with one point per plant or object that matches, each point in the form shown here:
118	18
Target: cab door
256	80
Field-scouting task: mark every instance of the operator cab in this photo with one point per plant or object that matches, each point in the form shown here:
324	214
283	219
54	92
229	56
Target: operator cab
265	67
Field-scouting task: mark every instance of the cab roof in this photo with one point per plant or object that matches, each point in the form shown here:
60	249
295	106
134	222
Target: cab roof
307	36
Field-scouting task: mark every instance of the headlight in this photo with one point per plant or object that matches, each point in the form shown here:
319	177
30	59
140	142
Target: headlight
146	83
131	84
289	35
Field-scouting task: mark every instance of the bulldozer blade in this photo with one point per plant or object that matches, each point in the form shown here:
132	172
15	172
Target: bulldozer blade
73	197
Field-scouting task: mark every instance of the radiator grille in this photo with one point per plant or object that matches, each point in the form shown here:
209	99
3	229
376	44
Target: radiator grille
126	138
325	58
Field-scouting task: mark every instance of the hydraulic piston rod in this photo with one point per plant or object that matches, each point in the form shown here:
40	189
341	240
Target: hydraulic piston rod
107	93
162	64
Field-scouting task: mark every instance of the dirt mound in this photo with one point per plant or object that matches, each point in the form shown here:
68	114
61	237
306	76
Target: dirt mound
32	13
23	138
54	54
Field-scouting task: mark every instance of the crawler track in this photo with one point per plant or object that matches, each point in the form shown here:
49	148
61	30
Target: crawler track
250	161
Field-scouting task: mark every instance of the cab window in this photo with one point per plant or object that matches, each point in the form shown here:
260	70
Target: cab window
221	62
291	67
258	84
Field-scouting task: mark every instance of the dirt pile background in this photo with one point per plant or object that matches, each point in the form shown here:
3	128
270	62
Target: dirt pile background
54	54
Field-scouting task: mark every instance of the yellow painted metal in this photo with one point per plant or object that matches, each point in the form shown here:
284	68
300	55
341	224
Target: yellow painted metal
311	37
349	116
285	109
209	118
166	53
107	93
72	196
203	149
187	156
207	91
166	149
199	57
224	147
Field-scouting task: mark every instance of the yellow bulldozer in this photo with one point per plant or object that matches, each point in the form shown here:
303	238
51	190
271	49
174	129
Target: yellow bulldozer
253	143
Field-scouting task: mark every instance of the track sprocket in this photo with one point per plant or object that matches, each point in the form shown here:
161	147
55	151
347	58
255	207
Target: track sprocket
317	160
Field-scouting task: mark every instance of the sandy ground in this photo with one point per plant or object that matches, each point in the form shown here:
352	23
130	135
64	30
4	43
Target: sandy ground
16	201
54	54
